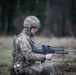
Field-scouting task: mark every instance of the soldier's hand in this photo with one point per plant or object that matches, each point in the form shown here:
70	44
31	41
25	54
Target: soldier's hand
49	56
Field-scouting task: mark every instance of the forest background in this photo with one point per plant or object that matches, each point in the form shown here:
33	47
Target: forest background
58	17
58	28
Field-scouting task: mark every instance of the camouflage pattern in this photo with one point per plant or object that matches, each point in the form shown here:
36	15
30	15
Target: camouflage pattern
31	21
24	44
41	69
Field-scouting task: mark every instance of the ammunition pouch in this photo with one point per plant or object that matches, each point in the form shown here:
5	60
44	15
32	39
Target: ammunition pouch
19	67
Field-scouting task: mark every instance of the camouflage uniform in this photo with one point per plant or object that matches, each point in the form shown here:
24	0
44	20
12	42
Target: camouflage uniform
24	46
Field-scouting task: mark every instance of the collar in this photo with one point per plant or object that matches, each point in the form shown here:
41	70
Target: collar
27	32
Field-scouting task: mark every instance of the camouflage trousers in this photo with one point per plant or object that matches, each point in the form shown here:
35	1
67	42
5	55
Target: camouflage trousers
41	69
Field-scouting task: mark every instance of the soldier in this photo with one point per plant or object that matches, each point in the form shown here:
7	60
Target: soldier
24	44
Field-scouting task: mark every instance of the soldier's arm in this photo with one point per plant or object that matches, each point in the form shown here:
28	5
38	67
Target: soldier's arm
27	51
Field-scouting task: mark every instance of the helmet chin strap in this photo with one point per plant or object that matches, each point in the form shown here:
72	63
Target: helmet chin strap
31	35
27	30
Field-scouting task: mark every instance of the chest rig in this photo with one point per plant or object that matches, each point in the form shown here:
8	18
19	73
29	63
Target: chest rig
32	43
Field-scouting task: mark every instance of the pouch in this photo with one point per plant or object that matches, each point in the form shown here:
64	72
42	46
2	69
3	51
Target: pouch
19	67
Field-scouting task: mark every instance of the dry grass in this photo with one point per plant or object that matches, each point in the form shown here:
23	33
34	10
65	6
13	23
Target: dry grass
6	50
67	42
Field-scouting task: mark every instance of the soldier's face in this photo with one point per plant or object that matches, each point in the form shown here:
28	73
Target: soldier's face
34	30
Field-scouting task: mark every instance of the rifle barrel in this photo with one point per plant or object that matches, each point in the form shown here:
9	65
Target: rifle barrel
70	50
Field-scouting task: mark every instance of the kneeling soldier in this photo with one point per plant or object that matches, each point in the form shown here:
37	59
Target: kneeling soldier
24	58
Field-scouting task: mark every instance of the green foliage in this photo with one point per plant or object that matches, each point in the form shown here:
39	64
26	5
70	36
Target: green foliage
34	7
60	15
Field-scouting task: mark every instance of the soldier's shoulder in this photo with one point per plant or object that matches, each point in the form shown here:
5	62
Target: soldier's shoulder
22	36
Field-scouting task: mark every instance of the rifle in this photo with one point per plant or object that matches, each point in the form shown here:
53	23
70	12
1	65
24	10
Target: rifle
47	49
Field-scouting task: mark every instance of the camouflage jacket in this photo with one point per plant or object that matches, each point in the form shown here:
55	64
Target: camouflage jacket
24	46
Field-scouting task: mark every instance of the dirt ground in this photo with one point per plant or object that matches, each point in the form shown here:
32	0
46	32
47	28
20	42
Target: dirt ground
67	43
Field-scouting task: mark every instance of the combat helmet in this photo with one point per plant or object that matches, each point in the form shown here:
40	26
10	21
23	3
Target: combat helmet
31	21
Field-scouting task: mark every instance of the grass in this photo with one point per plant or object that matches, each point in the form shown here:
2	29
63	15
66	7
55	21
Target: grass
6	51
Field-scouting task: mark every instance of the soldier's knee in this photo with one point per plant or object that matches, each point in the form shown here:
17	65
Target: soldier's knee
52	64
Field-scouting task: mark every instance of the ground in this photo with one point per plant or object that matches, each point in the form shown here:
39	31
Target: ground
66	64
